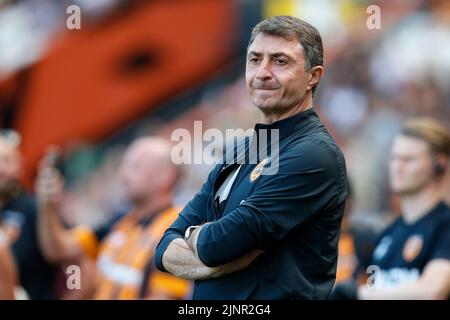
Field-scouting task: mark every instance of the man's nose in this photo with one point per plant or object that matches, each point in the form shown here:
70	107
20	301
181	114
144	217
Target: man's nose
264	71
398	165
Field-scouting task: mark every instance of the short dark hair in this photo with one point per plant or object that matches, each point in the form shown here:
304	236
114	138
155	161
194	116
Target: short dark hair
288	27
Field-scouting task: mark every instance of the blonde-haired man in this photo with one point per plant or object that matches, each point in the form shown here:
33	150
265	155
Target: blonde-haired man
412	257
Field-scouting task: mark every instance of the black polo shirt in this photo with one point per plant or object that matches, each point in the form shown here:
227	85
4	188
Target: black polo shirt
404	249
294	214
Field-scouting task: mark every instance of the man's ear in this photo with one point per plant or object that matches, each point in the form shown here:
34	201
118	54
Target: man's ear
440	163
315	74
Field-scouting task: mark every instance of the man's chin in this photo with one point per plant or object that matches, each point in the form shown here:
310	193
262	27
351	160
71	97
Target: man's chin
406	191
265	106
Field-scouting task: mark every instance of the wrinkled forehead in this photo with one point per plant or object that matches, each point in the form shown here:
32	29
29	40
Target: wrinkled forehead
273	44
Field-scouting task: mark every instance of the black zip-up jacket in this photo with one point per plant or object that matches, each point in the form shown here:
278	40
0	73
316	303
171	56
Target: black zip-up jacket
294	215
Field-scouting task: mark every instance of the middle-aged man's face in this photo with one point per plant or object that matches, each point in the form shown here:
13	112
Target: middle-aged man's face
275	73
139	172
9	167
411	167
144	170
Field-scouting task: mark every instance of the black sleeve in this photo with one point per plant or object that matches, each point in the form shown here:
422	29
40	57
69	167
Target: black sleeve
194	213
309	178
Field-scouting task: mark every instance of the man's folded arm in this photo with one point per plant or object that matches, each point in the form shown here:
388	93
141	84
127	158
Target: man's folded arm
302	187
174	255
174	232
194	213
180	260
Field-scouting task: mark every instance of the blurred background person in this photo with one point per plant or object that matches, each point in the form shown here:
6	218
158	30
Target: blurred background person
18	227
124	253
412	257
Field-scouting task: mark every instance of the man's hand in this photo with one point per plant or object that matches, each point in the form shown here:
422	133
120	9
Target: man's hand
191	237
236	265
49	185
180	260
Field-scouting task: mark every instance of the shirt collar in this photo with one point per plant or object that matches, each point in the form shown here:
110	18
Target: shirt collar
298	123
441	206
289	125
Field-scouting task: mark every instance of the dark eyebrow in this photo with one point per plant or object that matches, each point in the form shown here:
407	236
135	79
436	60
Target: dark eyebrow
275	54
279	54
253	53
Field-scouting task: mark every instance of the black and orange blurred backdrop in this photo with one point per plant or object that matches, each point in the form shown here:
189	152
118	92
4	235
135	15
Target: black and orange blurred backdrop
94	81
142	67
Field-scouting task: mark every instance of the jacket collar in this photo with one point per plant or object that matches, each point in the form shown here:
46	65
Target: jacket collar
295	123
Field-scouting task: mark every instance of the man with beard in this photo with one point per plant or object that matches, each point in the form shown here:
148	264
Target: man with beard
123	249
18	227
